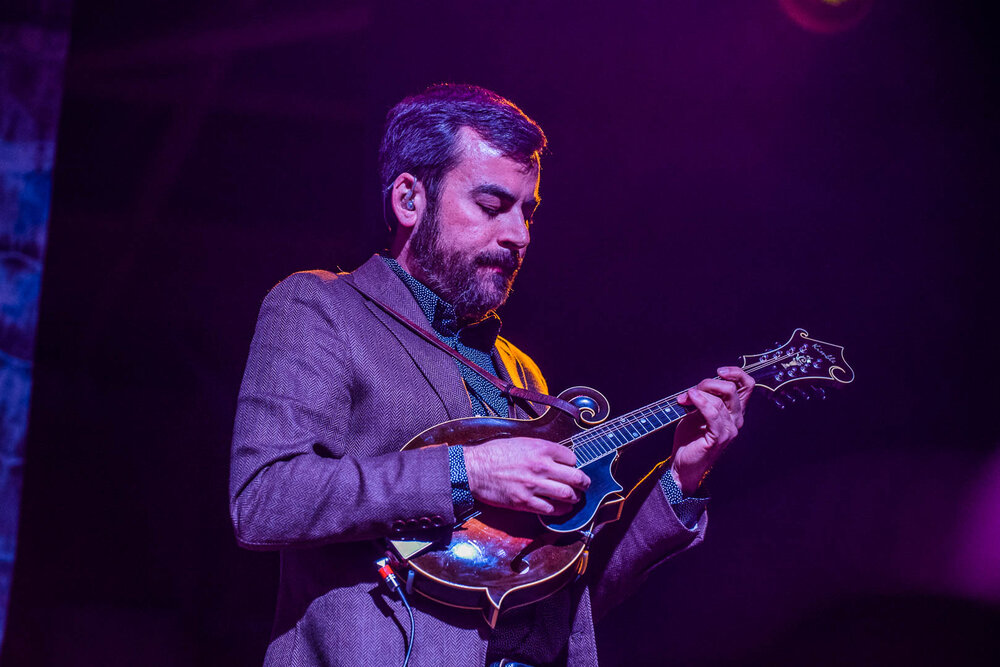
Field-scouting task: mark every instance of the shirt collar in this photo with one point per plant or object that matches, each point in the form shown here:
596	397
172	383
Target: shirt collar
482	335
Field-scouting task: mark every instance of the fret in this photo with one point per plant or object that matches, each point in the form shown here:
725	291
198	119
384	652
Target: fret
622	435
592	449
656	418
600	446
675	412
589	451
664	414
643	424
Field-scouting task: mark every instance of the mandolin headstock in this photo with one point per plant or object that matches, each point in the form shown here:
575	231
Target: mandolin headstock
801	365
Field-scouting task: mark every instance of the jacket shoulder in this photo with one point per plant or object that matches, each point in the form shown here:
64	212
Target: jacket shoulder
306	280
314	284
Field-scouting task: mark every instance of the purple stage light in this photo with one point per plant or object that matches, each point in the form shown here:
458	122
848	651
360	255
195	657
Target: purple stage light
976	566
827	16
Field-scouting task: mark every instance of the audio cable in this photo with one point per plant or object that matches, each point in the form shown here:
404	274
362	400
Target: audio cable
392	582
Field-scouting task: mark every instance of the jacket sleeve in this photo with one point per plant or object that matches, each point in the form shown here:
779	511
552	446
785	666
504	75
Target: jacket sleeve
296	478
626	551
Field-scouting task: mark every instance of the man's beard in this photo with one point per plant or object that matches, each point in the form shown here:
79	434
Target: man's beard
459	278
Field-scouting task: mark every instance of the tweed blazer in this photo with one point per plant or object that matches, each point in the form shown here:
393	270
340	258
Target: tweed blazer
333	388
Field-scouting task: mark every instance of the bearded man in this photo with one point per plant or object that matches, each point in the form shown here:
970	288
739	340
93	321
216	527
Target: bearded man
342	373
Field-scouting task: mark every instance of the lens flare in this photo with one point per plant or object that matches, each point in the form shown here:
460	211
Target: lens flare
827	16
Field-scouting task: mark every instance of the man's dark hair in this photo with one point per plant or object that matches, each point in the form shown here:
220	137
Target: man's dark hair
420	135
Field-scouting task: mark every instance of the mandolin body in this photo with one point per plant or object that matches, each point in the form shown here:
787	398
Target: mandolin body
498	559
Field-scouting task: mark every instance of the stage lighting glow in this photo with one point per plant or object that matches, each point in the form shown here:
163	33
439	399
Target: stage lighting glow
827	16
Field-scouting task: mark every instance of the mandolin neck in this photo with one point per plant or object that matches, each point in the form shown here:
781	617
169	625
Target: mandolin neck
800	360
607	438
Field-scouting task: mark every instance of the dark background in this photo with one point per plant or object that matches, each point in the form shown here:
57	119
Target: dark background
718	176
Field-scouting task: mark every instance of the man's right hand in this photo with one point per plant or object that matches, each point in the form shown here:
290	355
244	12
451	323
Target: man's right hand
525	474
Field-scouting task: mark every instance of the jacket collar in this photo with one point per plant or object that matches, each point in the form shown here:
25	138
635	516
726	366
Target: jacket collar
378	281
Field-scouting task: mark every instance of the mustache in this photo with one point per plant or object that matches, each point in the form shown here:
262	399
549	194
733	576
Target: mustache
509	262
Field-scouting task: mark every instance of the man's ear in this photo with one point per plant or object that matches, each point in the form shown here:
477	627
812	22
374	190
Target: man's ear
407	199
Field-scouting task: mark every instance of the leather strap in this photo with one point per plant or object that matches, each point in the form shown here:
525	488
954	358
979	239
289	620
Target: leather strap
507	388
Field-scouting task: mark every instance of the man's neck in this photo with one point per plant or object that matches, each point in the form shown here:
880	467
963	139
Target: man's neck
400	251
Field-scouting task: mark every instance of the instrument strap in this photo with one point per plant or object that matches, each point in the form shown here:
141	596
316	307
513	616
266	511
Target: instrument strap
506	387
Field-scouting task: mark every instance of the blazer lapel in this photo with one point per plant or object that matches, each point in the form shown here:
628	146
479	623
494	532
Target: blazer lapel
378	281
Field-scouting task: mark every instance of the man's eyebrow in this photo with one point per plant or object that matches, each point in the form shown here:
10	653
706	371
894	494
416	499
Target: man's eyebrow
495	190
501	193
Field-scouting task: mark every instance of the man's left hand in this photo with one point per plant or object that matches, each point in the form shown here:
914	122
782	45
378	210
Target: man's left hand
702	436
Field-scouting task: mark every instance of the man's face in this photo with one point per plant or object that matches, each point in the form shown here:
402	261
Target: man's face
468	246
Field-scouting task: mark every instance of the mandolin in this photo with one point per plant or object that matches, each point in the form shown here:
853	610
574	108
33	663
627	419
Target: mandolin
495	559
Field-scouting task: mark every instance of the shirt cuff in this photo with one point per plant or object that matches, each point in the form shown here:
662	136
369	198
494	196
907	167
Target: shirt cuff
687	509
461	494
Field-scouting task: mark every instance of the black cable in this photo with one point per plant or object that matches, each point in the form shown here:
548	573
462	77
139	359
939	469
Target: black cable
392	582
409	643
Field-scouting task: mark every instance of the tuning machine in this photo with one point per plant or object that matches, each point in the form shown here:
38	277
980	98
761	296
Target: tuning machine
787	397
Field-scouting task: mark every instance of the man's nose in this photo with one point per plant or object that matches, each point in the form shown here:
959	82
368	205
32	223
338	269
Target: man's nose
515	234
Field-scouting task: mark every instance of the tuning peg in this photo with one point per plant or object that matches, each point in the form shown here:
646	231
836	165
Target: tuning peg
779	400
818	392
798	393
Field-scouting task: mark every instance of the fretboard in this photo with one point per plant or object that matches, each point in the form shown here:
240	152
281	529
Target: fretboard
607	438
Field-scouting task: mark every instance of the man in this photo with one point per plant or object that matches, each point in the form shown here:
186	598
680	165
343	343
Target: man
335	384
